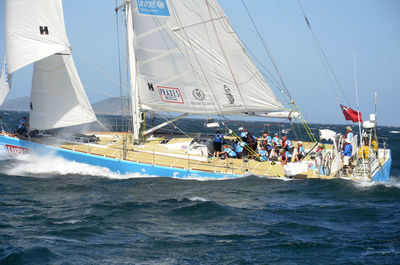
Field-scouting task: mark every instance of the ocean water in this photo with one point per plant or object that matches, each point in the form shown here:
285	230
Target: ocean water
57	212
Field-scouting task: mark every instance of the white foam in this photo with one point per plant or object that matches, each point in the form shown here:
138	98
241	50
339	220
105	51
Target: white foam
198	199
276	178
393	182
49	166
73	221
195	176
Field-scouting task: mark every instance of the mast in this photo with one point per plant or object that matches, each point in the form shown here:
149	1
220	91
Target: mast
136	111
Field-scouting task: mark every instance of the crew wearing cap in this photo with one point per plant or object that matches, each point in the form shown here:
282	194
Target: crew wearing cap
321	148
349	133
300	151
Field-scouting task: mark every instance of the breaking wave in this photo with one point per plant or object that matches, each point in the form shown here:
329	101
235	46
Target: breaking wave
51	166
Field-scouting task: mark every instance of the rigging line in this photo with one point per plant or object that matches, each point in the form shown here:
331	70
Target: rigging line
98	91
268	50
96	67
214	97
175	126
265	44
324	57
270	78
224	53
279	86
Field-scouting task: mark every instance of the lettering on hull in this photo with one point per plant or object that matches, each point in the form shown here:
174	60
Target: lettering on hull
17	150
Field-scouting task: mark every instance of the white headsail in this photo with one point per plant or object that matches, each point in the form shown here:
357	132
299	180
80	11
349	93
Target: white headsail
190	60
58	98
34	30
35	33
4	83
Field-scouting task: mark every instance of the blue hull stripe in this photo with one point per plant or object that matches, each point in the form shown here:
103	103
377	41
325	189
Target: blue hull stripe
115	165
383	174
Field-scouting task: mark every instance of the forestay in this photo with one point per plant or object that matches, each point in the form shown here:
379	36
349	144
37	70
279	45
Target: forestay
57	97
189	59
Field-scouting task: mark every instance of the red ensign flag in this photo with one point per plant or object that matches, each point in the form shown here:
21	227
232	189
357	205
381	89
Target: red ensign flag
350	114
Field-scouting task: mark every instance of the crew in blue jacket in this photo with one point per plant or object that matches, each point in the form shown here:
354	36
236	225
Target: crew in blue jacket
346	153
218	140
228	152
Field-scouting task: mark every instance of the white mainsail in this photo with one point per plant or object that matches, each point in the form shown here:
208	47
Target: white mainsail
190	60
4	83
58	98
35	33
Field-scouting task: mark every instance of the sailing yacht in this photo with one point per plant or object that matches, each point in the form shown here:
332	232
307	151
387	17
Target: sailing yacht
184	57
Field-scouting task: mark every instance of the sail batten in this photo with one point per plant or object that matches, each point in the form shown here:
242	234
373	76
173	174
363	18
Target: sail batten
190	60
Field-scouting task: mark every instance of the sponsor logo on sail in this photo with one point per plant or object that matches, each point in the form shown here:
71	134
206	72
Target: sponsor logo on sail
170	94
153	7
229	95
17	150
198	94
44	30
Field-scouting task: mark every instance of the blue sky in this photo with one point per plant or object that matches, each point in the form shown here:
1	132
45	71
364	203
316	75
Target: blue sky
370	28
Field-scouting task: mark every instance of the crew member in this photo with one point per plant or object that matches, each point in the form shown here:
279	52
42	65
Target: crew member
349	133
238	148
252	145
22	127
266	141
218	139
276	144
346	153
228	152
300	152
321	148
287	144
263	153
285	156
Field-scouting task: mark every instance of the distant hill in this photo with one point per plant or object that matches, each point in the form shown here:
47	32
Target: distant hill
18	104
109	106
